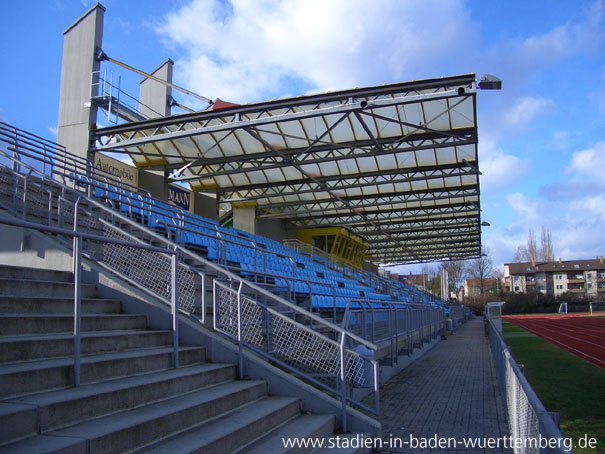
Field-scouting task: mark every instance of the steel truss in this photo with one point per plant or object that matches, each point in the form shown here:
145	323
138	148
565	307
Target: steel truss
390	163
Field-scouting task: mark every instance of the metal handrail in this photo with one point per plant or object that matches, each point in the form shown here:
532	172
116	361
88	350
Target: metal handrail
206	262
77	272
38	177
345	355
369	308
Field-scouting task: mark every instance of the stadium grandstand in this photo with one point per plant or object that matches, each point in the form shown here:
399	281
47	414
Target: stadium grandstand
192	251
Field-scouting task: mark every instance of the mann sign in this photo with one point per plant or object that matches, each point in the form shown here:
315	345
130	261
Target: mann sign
120	170
179	197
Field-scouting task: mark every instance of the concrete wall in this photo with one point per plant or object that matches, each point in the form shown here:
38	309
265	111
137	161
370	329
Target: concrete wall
275	229
154	182
245	219
22	247
79	61
204	205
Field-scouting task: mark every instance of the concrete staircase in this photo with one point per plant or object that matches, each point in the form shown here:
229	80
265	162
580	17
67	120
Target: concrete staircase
130	399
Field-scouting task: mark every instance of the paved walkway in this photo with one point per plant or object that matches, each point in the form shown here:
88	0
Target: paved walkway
452	391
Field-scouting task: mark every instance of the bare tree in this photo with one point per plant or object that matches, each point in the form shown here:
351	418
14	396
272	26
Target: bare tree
481	268
433	279
547	253
529	252
456	271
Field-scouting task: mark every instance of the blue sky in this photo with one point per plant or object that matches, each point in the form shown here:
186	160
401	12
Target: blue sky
541	139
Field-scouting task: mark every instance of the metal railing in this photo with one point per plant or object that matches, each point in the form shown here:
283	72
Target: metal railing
36	198
458	313
325	356
394	327
314	349
380	283
527	418
78	238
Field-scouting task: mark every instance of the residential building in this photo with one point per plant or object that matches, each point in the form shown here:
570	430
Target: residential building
581	277
472	287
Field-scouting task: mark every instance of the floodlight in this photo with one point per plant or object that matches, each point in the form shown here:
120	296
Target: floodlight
489	82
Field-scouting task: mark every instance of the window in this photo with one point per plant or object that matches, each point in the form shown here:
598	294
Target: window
516	289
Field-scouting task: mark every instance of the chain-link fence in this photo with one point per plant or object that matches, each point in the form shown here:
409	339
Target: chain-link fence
317	355
528	420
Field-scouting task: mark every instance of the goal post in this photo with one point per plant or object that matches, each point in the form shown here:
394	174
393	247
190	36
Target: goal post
563	308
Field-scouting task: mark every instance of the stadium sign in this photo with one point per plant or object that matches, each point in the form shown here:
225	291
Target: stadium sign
179	196
118	169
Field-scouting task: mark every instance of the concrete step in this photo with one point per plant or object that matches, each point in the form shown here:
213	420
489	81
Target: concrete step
22	324
125	431
38	413
52	305
302	426
17	272
229	432
28	287
25	348
34	376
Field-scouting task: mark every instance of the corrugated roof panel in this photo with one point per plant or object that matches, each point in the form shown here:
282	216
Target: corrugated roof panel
261	144
426	157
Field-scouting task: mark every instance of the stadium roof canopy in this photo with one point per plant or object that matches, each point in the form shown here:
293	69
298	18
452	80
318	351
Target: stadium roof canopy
396	164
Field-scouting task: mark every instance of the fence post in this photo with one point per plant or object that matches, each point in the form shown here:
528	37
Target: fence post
239	331
77	265
203	298
174	309
343	382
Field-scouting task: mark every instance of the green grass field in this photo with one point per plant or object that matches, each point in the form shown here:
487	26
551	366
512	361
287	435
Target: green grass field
564	383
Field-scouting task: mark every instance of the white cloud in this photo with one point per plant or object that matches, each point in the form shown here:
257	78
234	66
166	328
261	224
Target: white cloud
53	130
525	207
498	168
592	207
589	163
247	50
525	109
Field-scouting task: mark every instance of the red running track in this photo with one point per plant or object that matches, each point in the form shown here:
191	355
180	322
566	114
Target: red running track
578	334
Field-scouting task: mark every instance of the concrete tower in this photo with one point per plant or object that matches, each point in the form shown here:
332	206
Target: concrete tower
76	115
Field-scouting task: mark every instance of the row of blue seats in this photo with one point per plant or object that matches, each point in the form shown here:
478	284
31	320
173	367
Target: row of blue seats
251	252
158	214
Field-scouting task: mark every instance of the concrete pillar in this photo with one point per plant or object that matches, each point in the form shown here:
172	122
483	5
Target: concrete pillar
204	205
245	219
154	96
76	116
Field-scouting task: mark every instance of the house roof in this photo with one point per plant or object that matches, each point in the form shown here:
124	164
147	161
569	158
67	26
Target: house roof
561	266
